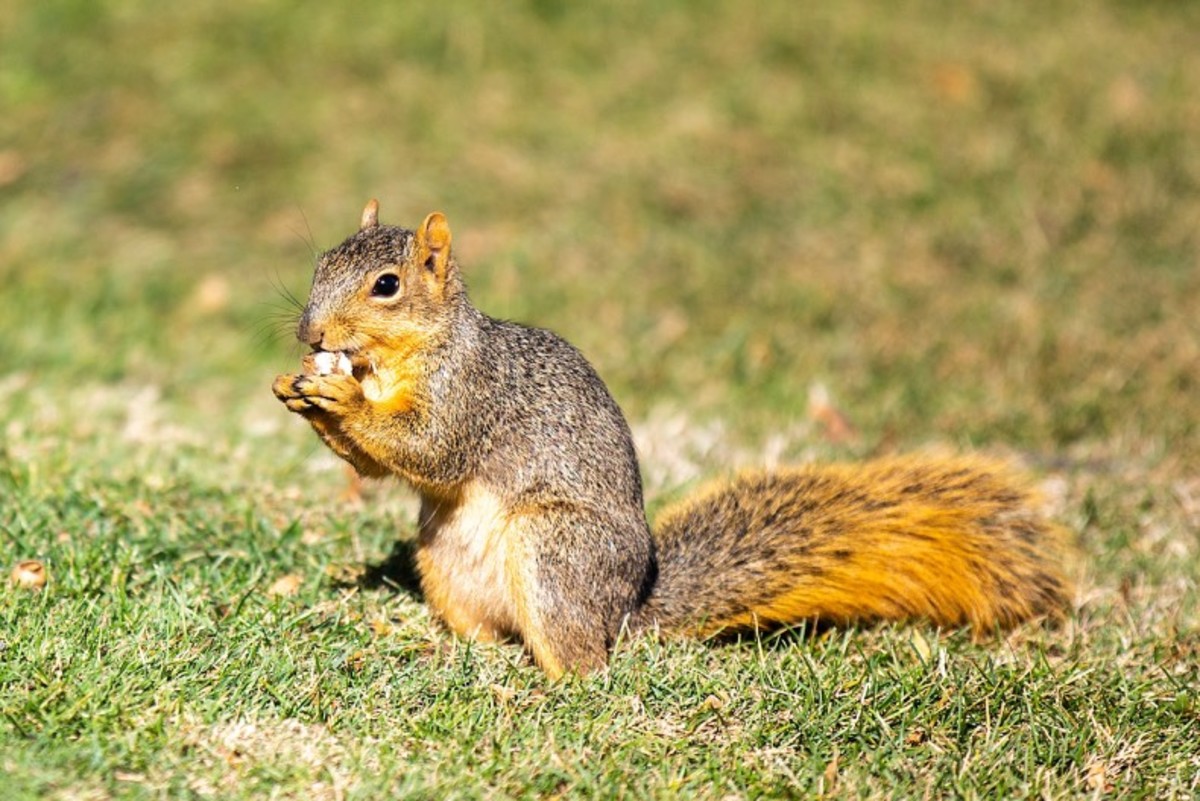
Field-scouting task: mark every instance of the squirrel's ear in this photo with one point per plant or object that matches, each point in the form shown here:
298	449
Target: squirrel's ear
433	241
434	233
370	215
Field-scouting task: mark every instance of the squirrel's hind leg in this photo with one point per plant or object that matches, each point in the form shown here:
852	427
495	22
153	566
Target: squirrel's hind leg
574	577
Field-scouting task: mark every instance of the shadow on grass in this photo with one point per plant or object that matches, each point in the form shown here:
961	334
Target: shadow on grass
396	572
775	637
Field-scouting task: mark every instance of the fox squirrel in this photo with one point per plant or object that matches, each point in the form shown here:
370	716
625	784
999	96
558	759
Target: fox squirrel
532	522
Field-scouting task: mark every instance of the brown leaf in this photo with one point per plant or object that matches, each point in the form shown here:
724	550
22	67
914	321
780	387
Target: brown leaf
830	775
954	83
1096	776
835	425
503	694
30	574
285	586
12	167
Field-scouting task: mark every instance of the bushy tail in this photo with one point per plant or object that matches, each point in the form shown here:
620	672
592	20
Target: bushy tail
955	541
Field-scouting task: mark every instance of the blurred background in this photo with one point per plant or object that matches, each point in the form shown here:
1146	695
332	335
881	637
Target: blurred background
781	233
972	224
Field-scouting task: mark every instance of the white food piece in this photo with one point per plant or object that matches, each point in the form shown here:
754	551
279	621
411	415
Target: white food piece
332	362
324	362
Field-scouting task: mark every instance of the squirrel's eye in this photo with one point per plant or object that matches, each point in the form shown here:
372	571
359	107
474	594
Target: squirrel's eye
386	285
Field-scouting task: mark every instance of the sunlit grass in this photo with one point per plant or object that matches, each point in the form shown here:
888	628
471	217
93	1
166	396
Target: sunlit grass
970	228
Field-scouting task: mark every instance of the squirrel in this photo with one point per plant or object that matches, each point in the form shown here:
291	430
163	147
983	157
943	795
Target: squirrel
532	523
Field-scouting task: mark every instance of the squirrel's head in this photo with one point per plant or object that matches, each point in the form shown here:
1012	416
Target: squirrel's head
382	289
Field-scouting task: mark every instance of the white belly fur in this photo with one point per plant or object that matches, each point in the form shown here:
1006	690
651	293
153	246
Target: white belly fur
463	550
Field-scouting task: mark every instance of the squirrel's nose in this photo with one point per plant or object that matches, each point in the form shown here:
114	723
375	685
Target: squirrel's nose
307	332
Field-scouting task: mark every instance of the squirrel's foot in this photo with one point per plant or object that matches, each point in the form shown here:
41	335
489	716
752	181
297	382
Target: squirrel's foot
339	395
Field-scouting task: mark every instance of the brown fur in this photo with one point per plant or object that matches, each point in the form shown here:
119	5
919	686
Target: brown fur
532	522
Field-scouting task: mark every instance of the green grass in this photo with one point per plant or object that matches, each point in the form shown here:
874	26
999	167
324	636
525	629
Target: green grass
975	227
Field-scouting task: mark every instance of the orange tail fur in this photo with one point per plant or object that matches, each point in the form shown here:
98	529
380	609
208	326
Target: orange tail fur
955	541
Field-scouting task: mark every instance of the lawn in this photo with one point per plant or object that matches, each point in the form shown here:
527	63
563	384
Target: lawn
781	234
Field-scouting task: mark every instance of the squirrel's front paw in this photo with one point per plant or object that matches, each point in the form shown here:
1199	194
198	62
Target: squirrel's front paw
337	394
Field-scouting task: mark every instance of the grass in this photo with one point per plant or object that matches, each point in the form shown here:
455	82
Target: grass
973	229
